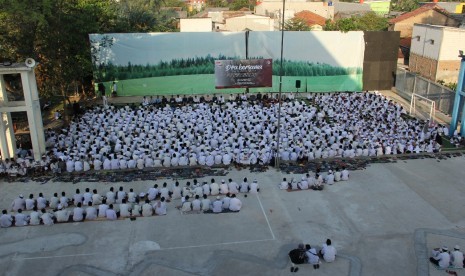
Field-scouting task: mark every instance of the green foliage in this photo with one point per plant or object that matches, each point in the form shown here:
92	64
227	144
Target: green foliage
450	85
217	3
55	33
296	24
404	5
368	22
239	4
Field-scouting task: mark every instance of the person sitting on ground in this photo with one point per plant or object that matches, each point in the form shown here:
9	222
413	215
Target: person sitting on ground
18	203
110	214
124	209
21	219
47	218
235	204
441	257
328	252
160	207
224	189
78	213
214	188
344	174
91	212
102	209
312	256
64	200
34	217
226	201
456	257
284	185
217	205
136	208
6	220
303	184
337	175
62	214
186	205
297	256
254	188
147	209
96	198
245	188
30	202
206	203
196	204
329	178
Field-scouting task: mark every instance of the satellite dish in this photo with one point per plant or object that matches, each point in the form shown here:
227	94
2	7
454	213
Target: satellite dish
30	62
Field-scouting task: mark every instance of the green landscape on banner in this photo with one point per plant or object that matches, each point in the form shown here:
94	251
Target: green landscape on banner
184	63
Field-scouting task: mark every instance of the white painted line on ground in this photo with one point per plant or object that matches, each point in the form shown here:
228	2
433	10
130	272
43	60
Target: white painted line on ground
53	257
214	244
266	217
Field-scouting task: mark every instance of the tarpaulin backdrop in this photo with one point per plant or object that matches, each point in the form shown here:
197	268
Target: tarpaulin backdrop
184	63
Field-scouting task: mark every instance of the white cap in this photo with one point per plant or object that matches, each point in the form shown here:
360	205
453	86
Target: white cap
60	206
218	197
457	247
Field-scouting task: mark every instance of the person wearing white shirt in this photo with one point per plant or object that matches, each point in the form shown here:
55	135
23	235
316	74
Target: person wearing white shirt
91	212
131	196
328	252
160	207
206	203
87	197
34	217
120	195
152	193
41	202
330	178
456	257
124	209
244	186
226	200
18	203
78	213
164	191
47	218
235	204
147	209
344	174
96	197
186	205
97	164
107	164
303	184
217	205
196	204
177	191
77	197
337	176
62	214
111	196
136	209
284	184
205	188
6	220
102	209
441	258
233	187
64	200
30	202
214	188
224	189
254	188
110	214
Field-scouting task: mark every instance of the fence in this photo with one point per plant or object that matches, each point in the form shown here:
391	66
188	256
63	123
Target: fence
408	83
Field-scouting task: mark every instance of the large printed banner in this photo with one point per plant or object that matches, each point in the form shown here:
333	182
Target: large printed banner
145	64
243	73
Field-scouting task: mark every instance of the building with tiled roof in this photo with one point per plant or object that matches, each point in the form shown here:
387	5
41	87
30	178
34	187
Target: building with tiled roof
312	19
426	14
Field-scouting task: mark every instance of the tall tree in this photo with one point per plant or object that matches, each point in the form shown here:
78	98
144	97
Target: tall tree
296	24
367	22
404	5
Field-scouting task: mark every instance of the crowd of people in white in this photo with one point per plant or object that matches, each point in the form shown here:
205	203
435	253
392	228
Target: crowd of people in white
220	132
239	131
112	205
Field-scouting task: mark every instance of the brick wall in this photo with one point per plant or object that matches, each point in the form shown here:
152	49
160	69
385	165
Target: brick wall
426	67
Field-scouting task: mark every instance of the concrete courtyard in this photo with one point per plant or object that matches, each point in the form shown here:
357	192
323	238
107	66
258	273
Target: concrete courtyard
383	221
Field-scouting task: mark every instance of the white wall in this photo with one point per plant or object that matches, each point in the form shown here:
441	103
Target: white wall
251	22
196	25
453	41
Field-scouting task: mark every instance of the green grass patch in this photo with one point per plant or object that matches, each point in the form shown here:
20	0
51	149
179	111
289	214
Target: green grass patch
205	84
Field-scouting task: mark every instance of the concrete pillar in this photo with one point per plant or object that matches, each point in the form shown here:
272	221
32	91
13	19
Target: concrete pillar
7	133
34	115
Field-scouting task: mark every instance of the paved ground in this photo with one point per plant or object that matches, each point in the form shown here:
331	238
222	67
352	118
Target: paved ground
383	221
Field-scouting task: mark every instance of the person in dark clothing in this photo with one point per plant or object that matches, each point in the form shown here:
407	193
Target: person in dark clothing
297	256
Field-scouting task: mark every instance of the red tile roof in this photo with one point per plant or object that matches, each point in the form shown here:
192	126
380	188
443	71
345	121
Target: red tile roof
311	18
420	10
